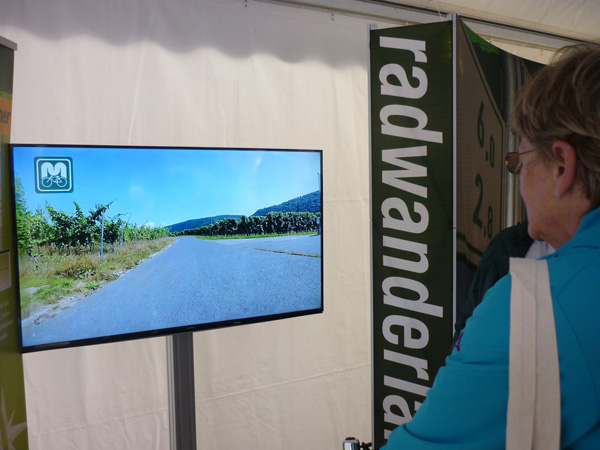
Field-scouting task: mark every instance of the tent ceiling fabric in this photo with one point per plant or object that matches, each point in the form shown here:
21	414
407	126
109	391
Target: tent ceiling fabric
576	19
570	19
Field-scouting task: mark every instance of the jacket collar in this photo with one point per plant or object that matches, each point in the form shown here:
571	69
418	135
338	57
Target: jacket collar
587	235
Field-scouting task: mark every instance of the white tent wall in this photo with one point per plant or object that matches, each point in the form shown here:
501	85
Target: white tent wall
210	73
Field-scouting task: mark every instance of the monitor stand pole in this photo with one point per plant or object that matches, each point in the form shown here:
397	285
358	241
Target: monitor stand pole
182	405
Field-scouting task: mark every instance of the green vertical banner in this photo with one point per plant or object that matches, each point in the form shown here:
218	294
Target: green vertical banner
13	420
412	163
441	98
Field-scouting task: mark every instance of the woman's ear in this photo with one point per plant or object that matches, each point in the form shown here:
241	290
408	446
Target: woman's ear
565	166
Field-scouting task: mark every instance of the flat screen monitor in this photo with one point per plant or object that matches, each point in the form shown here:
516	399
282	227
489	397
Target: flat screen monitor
120	242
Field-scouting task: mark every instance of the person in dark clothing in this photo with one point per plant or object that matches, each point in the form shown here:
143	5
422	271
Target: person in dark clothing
512	242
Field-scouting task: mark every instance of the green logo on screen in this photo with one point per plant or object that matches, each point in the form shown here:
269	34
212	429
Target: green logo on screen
53	174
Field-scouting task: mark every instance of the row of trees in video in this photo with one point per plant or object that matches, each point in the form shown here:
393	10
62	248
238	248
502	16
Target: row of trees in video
271	223
64	232
57	231
54	231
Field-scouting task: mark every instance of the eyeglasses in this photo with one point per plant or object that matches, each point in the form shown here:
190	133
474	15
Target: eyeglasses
513	162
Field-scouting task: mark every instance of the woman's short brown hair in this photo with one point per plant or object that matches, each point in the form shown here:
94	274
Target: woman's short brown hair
562	101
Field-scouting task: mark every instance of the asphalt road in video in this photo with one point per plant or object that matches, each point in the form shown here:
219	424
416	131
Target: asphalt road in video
196	281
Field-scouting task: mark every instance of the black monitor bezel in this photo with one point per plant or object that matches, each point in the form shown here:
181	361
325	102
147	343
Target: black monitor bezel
162	332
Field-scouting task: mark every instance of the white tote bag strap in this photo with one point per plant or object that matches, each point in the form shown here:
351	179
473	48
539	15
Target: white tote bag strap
533	417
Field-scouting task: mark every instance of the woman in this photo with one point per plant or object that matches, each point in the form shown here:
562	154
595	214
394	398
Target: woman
557	118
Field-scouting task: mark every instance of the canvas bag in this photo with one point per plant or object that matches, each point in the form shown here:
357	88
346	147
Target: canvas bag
533	416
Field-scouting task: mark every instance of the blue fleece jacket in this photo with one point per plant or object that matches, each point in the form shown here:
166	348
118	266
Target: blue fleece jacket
466	407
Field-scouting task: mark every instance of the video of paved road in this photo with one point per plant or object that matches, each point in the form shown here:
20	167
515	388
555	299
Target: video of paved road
195	282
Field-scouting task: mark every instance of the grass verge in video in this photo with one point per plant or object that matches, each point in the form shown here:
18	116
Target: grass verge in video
48	279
